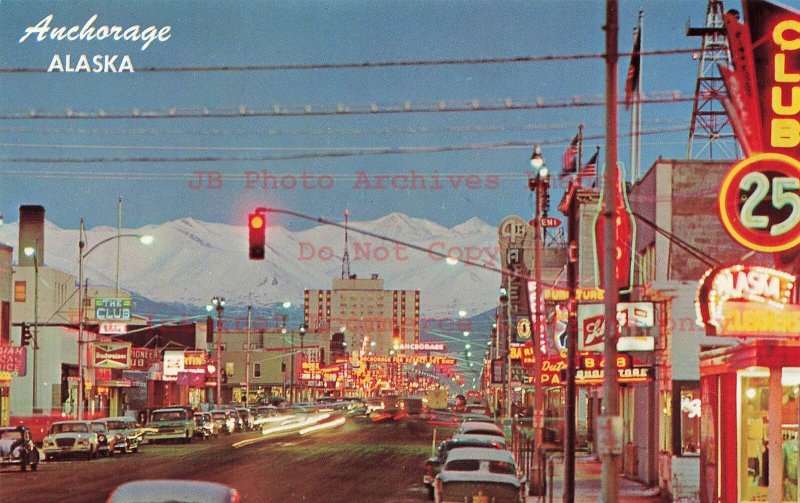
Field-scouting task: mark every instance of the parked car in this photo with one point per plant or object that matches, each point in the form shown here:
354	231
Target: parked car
171	423
433	465
225	419
479	428
205	427
17	448
473	471
247	418
70	438
123	432
168	491
103	447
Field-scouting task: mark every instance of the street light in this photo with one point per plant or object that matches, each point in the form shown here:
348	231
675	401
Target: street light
144	239
218	303
539	183
31	252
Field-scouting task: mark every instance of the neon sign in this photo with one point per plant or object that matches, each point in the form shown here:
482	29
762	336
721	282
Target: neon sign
726	295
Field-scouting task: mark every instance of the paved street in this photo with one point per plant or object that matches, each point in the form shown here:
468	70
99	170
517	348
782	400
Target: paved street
359	461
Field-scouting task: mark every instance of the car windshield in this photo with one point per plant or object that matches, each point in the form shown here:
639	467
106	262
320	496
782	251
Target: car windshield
10	434
168	415
463	465
69	428
116	425
486	432
99	427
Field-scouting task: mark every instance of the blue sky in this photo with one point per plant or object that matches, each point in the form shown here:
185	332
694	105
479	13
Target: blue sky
239	33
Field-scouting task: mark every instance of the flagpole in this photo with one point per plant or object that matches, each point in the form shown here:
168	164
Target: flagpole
638	101
580	147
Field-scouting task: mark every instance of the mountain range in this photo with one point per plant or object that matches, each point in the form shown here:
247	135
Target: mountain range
190	261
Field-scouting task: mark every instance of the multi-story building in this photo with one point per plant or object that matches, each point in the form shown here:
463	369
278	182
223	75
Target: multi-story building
361	308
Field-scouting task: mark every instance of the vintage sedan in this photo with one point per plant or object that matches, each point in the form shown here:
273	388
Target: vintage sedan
205	426
104	440
480	428
479	472
70	438
123	433
170	491
175	423
433	465
17	448
226	419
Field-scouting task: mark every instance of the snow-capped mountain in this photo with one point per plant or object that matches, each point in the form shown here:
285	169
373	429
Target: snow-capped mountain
191	261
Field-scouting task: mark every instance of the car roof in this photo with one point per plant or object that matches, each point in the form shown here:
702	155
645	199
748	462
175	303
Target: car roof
170	409
476	440
117	418
74	421
163	491
481	453
487	438
479	425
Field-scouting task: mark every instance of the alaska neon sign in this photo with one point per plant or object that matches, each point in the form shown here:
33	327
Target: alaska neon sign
727	290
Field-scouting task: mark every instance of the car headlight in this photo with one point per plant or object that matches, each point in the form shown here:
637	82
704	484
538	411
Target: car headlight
83	441
101	438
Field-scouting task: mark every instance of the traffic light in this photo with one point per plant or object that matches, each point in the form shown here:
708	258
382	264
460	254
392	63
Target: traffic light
257	227
26	334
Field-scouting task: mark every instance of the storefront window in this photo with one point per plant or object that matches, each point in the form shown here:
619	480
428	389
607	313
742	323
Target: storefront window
665	421
690	421
790	407
753	399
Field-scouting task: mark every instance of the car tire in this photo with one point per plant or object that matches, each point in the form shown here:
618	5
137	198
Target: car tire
431	492
89	455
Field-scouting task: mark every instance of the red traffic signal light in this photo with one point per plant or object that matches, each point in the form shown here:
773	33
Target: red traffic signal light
257	226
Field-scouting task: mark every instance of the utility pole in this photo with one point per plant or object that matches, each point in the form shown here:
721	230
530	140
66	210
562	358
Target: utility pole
219	304
247	354
609	421
573	234
81	308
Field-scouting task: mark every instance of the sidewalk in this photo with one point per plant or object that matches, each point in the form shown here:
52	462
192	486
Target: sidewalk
587	484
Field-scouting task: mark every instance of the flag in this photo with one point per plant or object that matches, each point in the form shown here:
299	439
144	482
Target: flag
632	81
569	160
590	168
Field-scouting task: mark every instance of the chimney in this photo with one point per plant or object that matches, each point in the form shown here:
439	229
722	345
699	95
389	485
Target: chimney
31	233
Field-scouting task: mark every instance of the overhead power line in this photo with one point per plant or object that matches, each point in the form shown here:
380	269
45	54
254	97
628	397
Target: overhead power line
325	132
373	64
309	155
475	105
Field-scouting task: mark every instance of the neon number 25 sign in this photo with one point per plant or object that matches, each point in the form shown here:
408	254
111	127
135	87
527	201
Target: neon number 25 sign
759	202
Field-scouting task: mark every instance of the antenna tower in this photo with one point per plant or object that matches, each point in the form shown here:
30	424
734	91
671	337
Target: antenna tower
710	125
346	254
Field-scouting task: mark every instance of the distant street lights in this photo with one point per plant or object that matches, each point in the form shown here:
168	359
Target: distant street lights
144	239
31	252
218	303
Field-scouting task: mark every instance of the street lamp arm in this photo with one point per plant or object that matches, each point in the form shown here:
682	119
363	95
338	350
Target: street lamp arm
106	240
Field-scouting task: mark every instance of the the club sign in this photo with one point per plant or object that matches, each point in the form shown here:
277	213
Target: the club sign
109	309
759	202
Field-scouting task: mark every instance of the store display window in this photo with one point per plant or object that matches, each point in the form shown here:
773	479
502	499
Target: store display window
690	415
753	424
